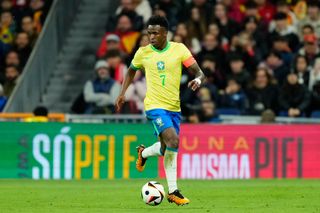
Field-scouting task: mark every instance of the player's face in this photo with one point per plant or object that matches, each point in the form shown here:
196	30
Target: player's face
157	35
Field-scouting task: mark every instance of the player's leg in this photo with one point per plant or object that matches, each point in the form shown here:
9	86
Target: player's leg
145	152
153	150
158	148
170	137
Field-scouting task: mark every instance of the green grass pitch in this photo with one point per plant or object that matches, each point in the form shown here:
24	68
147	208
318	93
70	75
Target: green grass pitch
90	196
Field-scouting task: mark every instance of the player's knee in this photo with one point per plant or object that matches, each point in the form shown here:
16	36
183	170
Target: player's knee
173	142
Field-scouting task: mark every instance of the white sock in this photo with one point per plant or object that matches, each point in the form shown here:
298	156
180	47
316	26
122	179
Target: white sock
154	150
170	167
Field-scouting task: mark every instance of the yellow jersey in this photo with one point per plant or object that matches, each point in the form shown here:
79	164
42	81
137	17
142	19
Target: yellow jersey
163	70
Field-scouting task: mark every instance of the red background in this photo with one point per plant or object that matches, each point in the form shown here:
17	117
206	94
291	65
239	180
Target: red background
308	134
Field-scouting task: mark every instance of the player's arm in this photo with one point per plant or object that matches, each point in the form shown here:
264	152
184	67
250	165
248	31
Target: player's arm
191	64
199	76
127	81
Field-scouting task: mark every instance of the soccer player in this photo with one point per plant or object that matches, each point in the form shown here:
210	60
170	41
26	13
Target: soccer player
162	62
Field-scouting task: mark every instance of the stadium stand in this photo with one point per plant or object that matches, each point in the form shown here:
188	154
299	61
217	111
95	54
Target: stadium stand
257	55
21	22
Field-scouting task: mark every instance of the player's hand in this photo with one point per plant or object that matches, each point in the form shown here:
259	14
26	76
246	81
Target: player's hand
119	102
194	84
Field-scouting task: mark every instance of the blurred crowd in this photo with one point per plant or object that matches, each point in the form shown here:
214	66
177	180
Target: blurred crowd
21	22
259	56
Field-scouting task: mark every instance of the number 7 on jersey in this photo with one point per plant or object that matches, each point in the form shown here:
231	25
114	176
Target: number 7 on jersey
163	77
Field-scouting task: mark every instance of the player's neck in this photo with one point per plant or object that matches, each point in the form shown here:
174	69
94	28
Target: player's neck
162	46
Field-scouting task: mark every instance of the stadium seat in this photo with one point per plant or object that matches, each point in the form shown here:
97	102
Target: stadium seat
228	111
315	114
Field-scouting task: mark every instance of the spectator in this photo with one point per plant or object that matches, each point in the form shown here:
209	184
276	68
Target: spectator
7	21
117	68
213	73
141	7
192	101
283	29
3	99
276	66
251	9
233	96
211	47
193	117
171	9
314	74
6	32
136	92
142	41
266	10
203	8
127	7
268	117
310	48
300	9
208	112
11	58
252	27
28	27
6	5
101	93
40	114
313	17
294	98
22	47
284	7
262	93
244	45
227	26
306	30
238	73
301	69
192	43
214	30
125	32
196	24
281	45
12	77
111	42
235	9
177	38
37	12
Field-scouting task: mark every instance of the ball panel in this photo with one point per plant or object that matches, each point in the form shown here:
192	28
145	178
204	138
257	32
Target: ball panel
152	193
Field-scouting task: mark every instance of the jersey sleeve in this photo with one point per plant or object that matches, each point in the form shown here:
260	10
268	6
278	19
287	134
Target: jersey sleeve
136	62
187	58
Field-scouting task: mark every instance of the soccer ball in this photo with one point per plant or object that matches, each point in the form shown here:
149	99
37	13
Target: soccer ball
152	193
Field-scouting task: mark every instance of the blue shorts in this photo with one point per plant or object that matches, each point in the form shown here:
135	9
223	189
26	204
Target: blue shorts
162	119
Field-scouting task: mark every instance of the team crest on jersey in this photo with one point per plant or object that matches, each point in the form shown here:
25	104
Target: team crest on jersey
160	65
159	122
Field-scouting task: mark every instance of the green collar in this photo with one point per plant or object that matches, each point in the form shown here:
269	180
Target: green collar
163	50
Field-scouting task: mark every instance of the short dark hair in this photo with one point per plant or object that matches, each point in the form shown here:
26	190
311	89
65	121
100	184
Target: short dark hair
251	5
308	26
280	16
234	57
40	111
159	20
274	53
